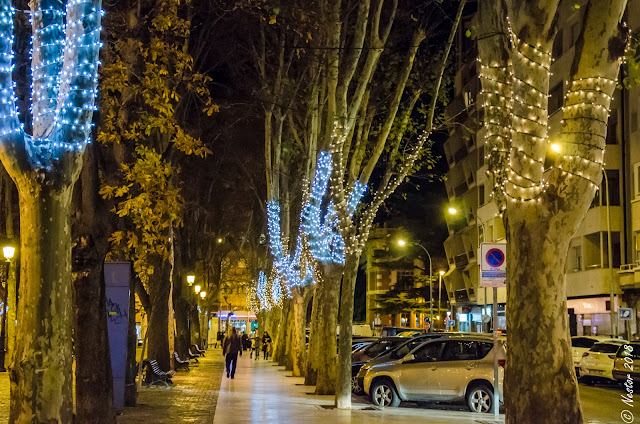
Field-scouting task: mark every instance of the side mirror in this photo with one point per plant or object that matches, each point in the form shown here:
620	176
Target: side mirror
408	358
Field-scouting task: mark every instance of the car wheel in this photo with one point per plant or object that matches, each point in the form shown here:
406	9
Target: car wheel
480	398
384	394
355	387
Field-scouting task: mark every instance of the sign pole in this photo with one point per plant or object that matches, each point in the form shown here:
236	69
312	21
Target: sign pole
496	387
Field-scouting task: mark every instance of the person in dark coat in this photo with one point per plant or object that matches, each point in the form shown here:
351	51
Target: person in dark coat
231	346
245	341
266	344
219	338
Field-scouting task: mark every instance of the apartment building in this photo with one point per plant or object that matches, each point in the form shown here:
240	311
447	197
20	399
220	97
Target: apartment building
589	268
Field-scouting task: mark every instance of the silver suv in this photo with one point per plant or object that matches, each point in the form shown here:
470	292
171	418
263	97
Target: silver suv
440	369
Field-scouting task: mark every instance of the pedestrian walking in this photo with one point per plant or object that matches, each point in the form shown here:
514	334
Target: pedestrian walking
245	341
219	339
266	344
231	346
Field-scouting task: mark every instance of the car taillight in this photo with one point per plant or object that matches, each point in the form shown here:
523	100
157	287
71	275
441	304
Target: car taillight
501	362
584	355
612	356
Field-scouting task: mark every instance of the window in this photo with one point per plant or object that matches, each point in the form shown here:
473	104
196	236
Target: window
576	256
583	342
460	350
613	175
605	348
429	352
557	49
636	179
555	98
612	128
632	353
481	195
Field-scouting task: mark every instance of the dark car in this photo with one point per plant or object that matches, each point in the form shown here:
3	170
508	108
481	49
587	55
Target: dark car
397	352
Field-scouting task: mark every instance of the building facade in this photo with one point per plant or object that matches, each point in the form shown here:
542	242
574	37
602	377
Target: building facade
591	273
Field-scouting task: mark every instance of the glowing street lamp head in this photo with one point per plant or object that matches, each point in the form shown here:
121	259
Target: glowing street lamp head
220	240
555	147
452	210
8	252
191	279
441	272
203	294
402	243
197	288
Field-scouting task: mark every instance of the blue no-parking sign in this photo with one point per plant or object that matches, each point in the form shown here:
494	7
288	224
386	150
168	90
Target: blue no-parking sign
625	314
493	264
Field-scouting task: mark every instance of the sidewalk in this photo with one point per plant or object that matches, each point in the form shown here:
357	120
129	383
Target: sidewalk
191	399
262	392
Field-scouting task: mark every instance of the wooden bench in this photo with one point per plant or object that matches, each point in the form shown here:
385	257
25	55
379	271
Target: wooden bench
180	364
192	356
155	375
198	350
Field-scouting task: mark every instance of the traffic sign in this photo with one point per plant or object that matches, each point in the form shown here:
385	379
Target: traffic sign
625	314
493	265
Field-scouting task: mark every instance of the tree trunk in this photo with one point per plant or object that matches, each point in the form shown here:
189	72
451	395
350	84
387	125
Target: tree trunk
11	277
159	290
311	372
343	379
194	319
537	252
289	324
327	326
298	327
41	376
130	388
181	307
94	384
281	336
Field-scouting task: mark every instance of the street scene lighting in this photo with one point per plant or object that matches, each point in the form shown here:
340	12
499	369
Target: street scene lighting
402	243
452	210
8	252
203	294
197	288
191	279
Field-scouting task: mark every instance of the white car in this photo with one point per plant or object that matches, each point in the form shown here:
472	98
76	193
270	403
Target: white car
582	344
598	361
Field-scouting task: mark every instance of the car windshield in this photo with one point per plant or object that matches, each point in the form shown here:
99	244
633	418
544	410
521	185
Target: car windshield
605	347
402	350
380	346
631	350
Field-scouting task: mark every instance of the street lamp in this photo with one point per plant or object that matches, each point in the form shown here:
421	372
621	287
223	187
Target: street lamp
403	243
191	279
440	290
197	288
203	294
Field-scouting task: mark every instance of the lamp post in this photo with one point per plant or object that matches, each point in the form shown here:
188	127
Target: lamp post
8	252
612	310
454	211
403	243
191	279
440	293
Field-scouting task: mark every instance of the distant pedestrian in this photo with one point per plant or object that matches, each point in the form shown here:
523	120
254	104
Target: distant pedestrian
266	344
231	346
245	341
219	338
255	343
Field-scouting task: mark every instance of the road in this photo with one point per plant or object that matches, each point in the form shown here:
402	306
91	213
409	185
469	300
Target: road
601	404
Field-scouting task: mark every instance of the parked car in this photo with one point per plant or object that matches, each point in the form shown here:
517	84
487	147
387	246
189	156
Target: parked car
627	362
374	349
394	331
398	352
582	344
598	361
441	369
